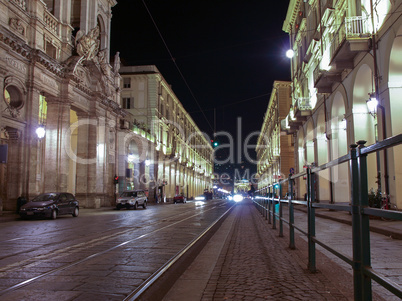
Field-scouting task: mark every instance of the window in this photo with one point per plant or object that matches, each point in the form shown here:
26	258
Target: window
128	103
13	97
127	82
42	109
51	50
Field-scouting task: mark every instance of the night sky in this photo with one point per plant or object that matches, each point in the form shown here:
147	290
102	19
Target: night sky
216	54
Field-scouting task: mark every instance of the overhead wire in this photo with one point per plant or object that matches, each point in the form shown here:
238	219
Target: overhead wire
234	103
177	67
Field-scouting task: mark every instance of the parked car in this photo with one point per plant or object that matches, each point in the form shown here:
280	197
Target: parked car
131	199
50	205
180	198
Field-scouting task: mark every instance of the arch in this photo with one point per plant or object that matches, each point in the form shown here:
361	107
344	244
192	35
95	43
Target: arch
339	173
394	124
136	152
338	130
301	161
309	142
102	33
322	157
364	124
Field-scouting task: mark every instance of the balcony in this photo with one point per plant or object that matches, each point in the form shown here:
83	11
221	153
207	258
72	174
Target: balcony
324	79
302	108
290	124
353	36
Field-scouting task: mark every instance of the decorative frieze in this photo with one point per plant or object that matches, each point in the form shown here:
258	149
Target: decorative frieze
17	25
19	66
48	81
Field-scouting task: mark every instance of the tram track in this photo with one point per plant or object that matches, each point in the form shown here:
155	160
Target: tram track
104	233
158	226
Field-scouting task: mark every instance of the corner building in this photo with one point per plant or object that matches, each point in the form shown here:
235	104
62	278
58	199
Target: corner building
164	150
55	74
346	52
275	148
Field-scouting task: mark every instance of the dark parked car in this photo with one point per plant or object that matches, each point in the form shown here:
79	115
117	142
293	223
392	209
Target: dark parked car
180	198
50	205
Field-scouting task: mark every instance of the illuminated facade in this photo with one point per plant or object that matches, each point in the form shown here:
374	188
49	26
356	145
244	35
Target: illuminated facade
170	155
345	52
274	147
55	74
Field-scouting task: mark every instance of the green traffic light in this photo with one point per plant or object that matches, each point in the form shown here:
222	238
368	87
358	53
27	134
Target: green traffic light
215	143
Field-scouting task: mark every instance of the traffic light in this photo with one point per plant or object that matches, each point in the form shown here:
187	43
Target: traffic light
116	179
216	143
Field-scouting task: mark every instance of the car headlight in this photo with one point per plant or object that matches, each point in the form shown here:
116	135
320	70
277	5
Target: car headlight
238	198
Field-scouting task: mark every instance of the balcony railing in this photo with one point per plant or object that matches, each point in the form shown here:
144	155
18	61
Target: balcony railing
20	3
303	104
302	107
51	22
357	27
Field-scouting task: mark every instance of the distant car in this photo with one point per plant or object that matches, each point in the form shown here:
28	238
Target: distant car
50	205
180	198
200	198
131	199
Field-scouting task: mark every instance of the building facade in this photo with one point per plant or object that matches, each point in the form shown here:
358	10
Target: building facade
275	150
169	154
346	52
56	77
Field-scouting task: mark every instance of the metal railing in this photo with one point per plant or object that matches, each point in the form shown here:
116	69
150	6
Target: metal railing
271	208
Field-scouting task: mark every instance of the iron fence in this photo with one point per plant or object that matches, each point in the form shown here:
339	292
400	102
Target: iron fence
363	274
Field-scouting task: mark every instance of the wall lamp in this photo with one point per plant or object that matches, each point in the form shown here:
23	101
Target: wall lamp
372	104
343	124
41	131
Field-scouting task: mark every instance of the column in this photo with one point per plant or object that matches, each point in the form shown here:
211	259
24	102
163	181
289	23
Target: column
14	169
82	159
56	157
96	162
35	147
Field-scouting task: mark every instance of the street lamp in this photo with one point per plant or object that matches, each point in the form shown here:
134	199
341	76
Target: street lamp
290	53
40	131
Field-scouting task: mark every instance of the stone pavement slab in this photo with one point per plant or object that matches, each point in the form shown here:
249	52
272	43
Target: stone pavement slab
256	264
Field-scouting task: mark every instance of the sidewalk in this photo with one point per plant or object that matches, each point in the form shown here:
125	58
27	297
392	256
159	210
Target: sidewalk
246	260
390	228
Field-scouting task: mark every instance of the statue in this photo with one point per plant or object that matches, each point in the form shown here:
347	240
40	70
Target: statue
116	66
88	45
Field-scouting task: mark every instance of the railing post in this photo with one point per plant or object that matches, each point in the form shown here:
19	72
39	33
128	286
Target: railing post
356	226
273	212
365	223
269	207
280	210
291	216
310	221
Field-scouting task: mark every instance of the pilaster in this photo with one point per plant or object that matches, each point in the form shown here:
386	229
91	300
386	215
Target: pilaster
56	157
